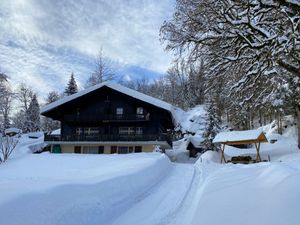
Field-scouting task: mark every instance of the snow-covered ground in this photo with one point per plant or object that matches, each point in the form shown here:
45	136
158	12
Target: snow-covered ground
91	189
148	189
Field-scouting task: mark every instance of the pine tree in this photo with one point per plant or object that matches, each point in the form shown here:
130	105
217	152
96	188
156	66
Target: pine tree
72	86
49	124
32	123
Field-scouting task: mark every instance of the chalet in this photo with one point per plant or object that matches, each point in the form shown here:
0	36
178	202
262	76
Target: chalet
110	118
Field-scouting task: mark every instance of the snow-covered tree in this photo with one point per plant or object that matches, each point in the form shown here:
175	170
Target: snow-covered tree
48	124
71	87
32	123
251	45
24	95
213	122
6	98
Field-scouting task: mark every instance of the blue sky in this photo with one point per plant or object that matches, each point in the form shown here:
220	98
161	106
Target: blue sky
43	41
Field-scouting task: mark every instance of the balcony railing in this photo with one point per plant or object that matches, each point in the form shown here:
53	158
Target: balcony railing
107	117
106	137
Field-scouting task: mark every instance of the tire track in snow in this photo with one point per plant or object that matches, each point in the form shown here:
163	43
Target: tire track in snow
161	203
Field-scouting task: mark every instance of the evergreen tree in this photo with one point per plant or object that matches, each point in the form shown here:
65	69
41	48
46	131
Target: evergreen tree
49	124
72	86
32	122
6	98
212	126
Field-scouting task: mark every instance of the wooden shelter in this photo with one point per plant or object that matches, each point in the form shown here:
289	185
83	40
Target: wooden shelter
241	138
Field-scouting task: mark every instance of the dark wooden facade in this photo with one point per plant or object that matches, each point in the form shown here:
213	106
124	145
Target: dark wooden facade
109	115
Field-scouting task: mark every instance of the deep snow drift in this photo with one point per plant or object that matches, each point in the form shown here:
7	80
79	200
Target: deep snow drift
90	189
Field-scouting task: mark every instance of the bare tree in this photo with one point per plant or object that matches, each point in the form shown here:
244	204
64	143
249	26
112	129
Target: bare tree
7	145
24	95
103	70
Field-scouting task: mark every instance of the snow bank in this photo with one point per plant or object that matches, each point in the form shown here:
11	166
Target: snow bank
75	189
209	157
261	194
28	143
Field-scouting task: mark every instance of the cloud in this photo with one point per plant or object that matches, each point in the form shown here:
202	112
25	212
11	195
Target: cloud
42	41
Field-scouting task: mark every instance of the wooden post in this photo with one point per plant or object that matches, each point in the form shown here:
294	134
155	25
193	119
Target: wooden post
257	146
222	153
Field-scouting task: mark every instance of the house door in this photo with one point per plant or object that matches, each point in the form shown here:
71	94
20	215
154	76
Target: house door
100	149
77	149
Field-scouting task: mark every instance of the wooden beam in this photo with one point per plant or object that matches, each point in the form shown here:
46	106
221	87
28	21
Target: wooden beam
257	146
222	153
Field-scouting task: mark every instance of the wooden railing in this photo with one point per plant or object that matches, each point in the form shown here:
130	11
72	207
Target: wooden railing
106	137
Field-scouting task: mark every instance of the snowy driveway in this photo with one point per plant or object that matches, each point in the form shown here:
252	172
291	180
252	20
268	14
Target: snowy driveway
161	203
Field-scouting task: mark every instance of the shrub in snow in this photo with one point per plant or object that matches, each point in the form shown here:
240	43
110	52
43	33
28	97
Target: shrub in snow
157	149
7	145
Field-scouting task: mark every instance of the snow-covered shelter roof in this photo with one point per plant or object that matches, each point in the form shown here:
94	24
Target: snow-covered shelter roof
117	87
240	137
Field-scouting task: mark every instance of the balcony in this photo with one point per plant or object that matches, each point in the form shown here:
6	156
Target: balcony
107	118
106	138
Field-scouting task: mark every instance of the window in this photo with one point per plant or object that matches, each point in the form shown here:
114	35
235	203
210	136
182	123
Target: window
139	130
138	149
94	130
91	130
79	131
125	149
139	110
77	149
122	150
126	130
90	149
119	111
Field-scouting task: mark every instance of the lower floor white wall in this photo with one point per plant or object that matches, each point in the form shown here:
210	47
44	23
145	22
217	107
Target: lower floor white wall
107	148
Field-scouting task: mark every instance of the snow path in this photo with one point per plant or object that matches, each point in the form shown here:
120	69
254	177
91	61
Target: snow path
162	202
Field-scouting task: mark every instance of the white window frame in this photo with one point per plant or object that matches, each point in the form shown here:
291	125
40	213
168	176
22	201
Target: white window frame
120	111
126	130
139	130
79	131
140	111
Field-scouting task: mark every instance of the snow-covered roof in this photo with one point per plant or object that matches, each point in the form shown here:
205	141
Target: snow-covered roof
55	132
239	136
12	130
117	87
